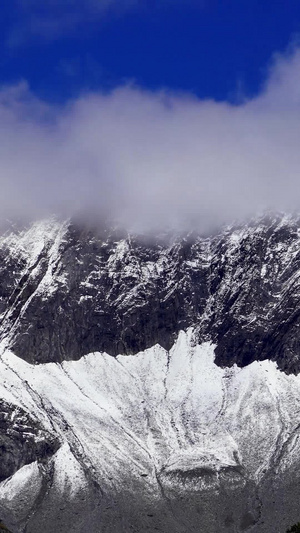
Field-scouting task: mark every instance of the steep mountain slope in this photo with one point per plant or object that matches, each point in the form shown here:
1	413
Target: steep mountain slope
67	291
150	386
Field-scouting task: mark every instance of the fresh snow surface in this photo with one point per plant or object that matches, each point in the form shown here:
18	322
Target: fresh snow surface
152	412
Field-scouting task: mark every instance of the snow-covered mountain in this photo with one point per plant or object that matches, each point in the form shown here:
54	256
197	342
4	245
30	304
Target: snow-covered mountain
150	384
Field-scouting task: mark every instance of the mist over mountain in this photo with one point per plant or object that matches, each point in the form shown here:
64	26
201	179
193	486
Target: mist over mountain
153	160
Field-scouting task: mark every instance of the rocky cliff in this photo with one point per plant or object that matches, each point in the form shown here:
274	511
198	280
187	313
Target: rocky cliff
67	291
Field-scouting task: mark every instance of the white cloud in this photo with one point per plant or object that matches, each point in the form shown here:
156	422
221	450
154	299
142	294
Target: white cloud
153	158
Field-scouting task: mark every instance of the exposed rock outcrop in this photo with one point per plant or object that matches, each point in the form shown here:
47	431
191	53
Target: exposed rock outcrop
22	440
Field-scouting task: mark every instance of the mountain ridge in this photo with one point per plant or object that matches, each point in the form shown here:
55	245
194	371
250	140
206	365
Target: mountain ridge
150	385
83	290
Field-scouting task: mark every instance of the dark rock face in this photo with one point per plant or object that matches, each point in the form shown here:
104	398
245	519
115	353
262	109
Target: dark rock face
22	440
88	290
259	315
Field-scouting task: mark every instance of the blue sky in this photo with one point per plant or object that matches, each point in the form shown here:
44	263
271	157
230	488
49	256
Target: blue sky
219	49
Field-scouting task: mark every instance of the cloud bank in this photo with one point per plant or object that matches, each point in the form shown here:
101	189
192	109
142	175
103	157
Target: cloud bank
153	159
